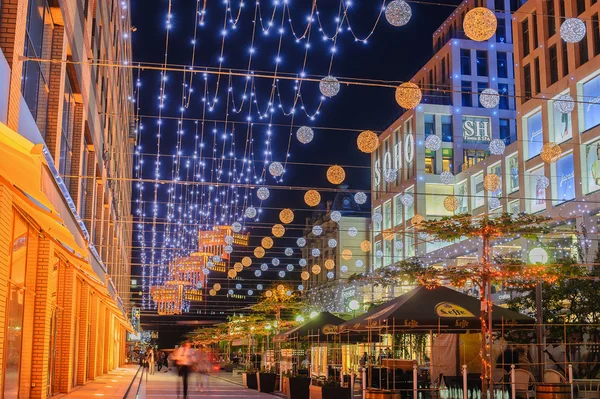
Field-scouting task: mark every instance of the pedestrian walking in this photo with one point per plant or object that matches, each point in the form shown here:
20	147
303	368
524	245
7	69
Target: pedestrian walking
159	362
203	368
185	357
150	358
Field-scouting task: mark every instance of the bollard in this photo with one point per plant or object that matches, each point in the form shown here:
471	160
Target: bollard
513	386
415	381
352	384
464	377
280	379
364	383
570	370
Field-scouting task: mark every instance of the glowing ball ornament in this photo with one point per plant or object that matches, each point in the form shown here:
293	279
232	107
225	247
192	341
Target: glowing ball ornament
288	252
301	242
264	267
407	200
257	273
263	193
228	249
276	169
302	262
231	273
205	271
377	217
494	203
246	261
317	230
447	177
451	203
229	239
550	152
275	262
286	216
267	242
408	95
489	98
217	287
230	292
238	286
305	276
278	230
238	267
329	264
542	182
398	13
305	135
312	198
329	86
538	255
330	275
316	269
250	292
388	234
390	175
367	141
365	246
332	243
572	30
315	252
417	219
359	263
497	147
398	245
360	198
216	258
290	268
236	227
300	287
352	231
346	254
433	142
336	174
491	182
212	292
564	104
259	287
268	293
480	24
336	216
344	268
281	274
259	252
250	212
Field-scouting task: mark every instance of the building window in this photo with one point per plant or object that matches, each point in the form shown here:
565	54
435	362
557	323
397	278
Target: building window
429	162
565	60
473	157
499	5
505	131
564	183
551	18
596	34
591	108
580	6
534	30
534	134
397	210
482	64
448	160
527	81
583	51
504	96
477	191
536	74
447	128
429	121
377	226
525	34
502	62
409	210
553	56
481	86
465	61
467	99
387	215
501	31
83	194
66	133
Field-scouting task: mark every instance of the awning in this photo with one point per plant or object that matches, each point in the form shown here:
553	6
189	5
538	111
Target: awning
318	328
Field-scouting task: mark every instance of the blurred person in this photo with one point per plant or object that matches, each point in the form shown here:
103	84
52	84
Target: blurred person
150	358
185	357
203	368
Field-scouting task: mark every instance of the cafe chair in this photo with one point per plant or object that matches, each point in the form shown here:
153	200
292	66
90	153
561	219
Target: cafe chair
524	381
498	375
553	377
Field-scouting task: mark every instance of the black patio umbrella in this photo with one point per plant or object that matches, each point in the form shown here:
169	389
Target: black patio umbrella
322	325
440	309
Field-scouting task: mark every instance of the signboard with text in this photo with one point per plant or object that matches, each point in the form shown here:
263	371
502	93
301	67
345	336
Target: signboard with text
476	129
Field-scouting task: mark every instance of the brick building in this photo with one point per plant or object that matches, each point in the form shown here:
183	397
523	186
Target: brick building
65	169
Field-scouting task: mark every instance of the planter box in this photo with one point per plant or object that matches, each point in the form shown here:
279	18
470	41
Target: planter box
381	395
250	380
297	387
317	392
266	382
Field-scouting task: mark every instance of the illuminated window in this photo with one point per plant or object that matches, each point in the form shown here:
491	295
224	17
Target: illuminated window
447	160
429	161
397	210
472	157
387	215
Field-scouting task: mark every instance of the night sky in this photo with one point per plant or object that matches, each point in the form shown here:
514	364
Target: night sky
392	54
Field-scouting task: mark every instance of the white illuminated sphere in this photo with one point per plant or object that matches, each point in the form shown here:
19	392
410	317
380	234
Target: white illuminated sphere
275	262
230	292
352	231
390	175
288	293
332	243
315	252
489	98
289	251
257	273
329	86
238	286
344	268
264	267
250	292
330	275
494	203
359	263
290	268
379	253
216	258
229	239
259	287
209	264
263	193
407	200
538	255
564	104
236	227
305	135
336	216
276	169
398	245
251	212
377	217
542	182
302	262
281	274
301	242
497	147
199	285
423	235
228	249
572	30
205	271
317	230
360	198
433	142
398	13
300	287
447	177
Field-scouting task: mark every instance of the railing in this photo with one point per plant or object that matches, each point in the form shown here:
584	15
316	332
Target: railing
129	394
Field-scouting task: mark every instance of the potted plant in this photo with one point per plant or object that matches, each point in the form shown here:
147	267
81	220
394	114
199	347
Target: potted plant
296	386
330	388
249	378
266	381
228	367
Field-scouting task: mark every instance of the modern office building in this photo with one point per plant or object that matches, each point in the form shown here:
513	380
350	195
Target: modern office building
65	167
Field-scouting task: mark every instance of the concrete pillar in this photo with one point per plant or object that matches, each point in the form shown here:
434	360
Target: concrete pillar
66	325
6	223
78	153
56	88
93	336
83	331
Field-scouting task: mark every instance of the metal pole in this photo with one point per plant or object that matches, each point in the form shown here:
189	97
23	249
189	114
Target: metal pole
364	383
540	331
415	385
570	369
464	376
513	386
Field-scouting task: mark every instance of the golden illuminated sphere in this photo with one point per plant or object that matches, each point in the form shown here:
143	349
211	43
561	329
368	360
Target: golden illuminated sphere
365	246
388	234
286	216
312	198
550	152
491	182
329	264
278	230
231	273
238	267
316	269
336	174
268	293
346	254
281	288
367	141
259	252
408	95
246	261
480	24
417	219
267	242
217	287
451	203
212	292
305	275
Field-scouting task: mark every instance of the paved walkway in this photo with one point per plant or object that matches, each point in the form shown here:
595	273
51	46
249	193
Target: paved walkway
164	386
109	386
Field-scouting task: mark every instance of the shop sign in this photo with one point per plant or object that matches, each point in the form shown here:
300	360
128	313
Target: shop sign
476	129
394	160
448	309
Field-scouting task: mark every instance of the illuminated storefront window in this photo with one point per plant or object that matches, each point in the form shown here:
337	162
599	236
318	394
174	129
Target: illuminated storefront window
477	191
536	193
429	162
512	169
562	127
447	160
378	259
397	210
462	194
497	170
591	169
387	215
377	225
409	211
591	103
434	200
535	137
564	179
